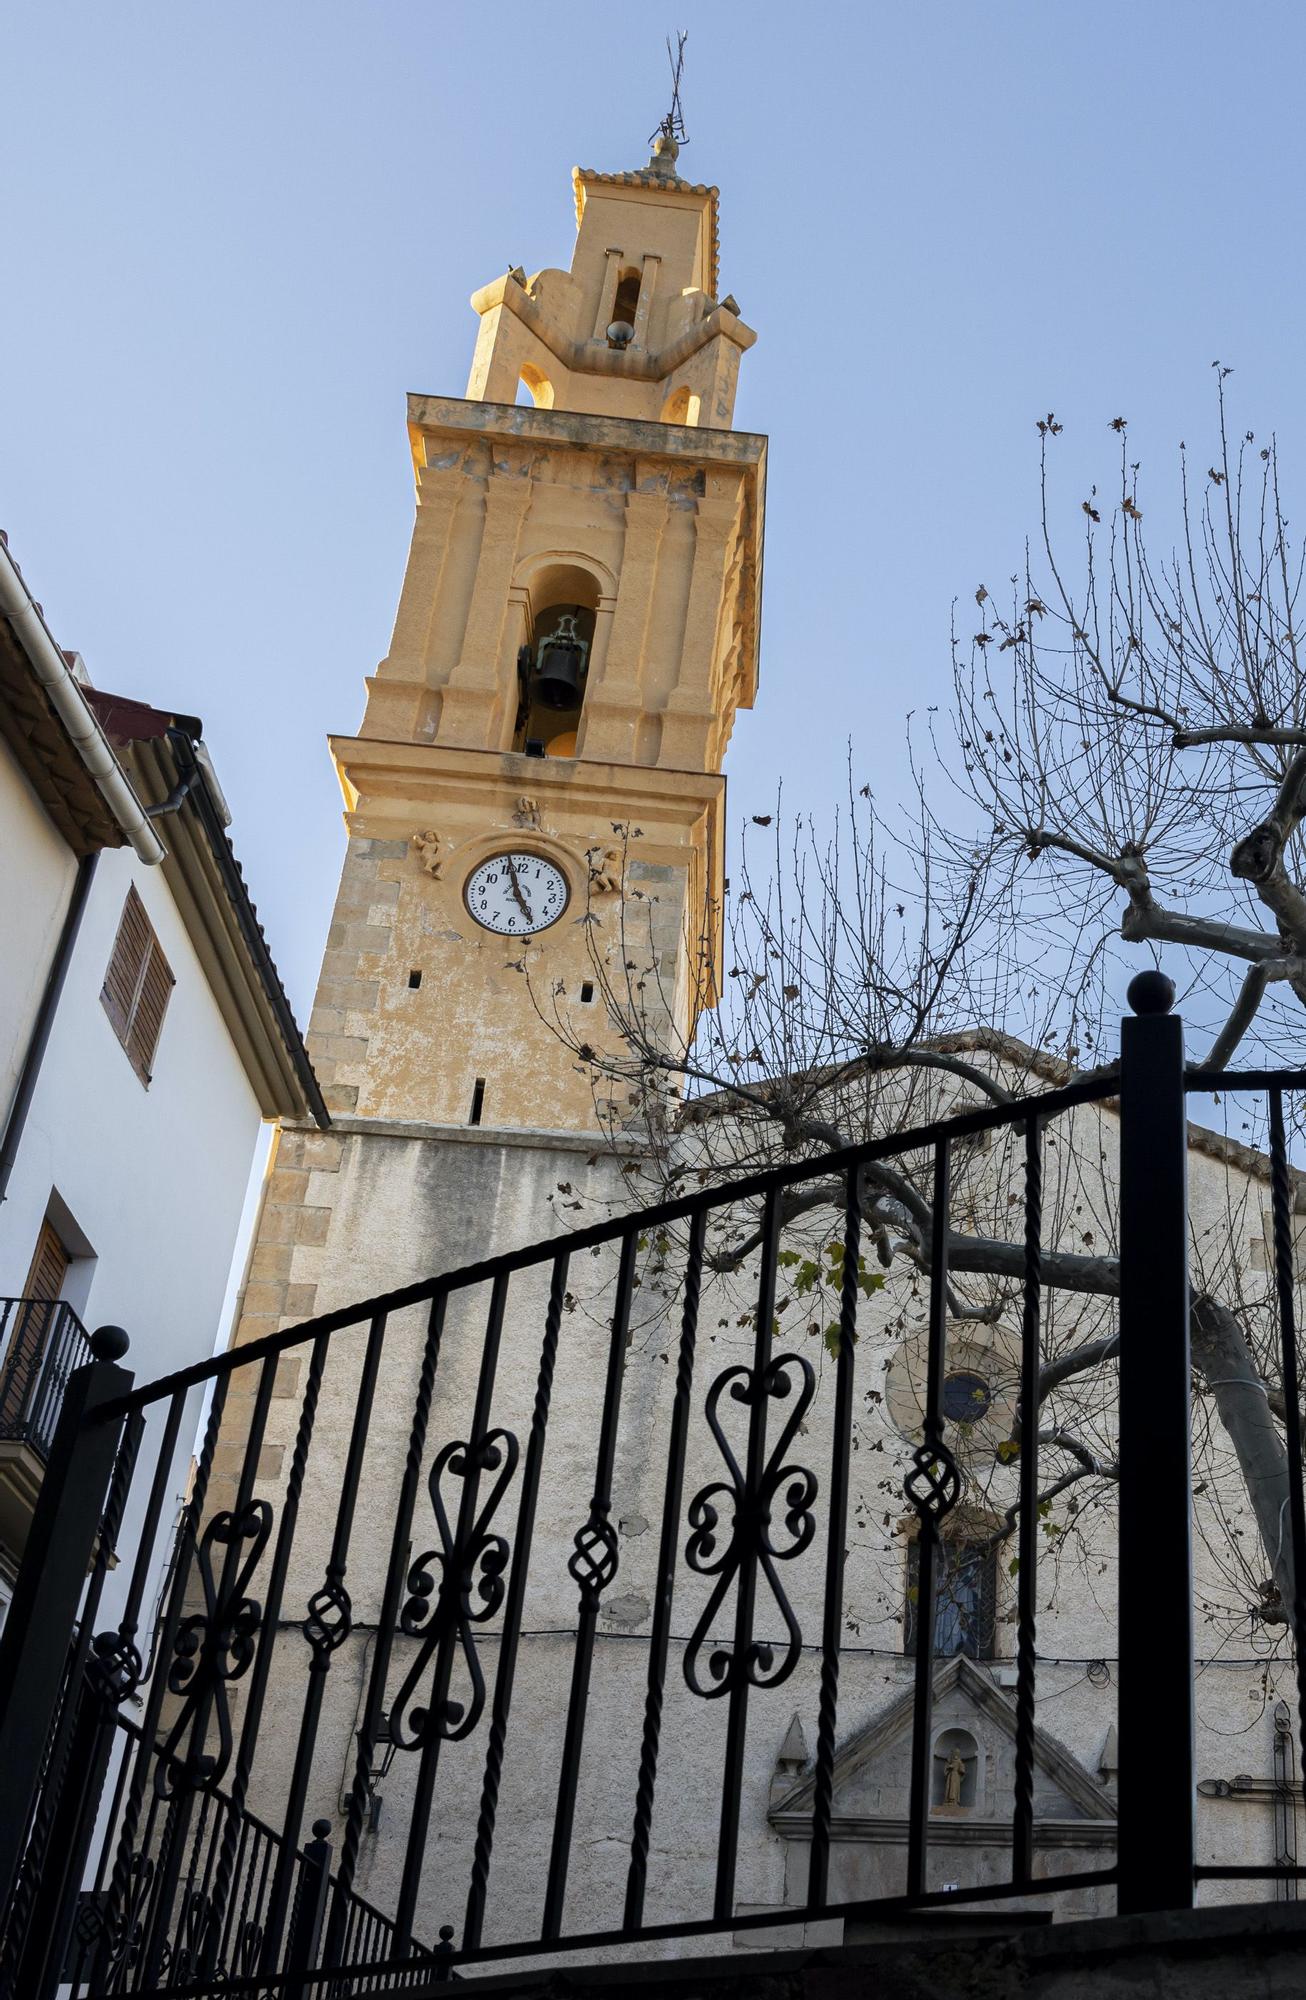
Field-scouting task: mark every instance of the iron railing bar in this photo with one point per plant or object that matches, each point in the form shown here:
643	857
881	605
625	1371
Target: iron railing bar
591	1586
56	1835
387	1624
818	1876
447	1609
1228	1081
269	1836
197	1733
129	1622
834	1165
229	1918
48	1378
929	1543
380	1975
189	1537
275	1590
1213	1872
1280	1209
121	1876
267	1847
89	1949
1022	1841
33	1383
119	1788
884	1907
184	1904
742	1651
320	1662
143	1886
664	1591
505	1674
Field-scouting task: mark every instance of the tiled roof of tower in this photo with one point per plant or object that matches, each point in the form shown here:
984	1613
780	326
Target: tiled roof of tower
668	184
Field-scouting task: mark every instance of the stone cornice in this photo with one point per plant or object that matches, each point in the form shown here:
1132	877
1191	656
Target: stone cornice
516	1136
643	437
436	772
595	357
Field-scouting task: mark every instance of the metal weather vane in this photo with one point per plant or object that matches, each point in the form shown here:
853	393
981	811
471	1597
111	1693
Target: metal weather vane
672	126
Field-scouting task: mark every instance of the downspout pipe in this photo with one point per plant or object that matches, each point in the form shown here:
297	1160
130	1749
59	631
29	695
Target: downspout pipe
16	1117
69	704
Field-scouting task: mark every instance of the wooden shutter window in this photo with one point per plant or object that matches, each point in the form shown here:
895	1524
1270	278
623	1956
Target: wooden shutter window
136	986
49	1266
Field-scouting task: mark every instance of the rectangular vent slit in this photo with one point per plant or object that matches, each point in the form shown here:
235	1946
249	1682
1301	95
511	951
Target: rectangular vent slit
478	1101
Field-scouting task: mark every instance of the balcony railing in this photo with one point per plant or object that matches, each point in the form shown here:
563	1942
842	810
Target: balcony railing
41	1342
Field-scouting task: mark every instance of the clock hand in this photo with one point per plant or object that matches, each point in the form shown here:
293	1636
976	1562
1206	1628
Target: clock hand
516	890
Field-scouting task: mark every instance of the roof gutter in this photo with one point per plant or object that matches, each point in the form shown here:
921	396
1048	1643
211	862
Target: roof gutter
69	704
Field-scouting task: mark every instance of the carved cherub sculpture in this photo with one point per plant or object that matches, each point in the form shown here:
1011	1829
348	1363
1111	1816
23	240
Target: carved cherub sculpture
605	871
428	850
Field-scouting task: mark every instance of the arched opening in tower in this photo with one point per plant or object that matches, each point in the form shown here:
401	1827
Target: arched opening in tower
553	666
626	302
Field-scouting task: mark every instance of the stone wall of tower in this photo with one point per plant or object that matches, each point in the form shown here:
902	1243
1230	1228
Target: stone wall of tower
416	1000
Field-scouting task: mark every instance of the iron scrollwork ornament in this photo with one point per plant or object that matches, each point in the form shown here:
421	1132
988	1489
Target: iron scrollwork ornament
129	1898
452	1589
750	1529
330	1619
594	1559
114	1668
214	1647
934	1483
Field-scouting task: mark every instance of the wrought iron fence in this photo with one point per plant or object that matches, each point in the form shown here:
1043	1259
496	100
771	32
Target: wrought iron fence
269	1918
41	1342
480	1745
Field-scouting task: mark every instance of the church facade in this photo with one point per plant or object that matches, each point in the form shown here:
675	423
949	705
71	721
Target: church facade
535	805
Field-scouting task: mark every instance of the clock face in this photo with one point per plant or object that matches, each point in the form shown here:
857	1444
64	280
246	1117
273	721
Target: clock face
516	895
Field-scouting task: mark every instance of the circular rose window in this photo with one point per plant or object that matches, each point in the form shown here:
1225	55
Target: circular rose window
966	1397
978	1395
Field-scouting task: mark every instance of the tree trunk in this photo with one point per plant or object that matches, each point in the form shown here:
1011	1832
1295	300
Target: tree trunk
1221	1354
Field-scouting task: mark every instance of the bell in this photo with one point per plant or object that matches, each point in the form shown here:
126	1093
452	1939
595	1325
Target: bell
562	666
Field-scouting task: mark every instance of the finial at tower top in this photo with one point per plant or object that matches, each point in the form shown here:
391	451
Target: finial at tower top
670	134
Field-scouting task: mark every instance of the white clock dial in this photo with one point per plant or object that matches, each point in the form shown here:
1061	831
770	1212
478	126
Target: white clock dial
516	895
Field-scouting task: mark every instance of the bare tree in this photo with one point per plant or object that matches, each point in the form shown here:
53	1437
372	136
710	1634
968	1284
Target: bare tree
1123	769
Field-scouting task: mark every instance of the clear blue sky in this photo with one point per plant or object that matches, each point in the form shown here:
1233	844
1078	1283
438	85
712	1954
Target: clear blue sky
235	236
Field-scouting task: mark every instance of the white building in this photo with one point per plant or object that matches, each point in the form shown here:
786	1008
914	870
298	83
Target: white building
144	1037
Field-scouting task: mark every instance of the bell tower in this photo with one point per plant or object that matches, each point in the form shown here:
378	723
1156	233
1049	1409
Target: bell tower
537	778
534	795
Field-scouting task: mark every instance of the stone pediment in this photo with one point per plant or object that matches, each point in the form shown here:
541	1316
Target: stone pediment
973	1731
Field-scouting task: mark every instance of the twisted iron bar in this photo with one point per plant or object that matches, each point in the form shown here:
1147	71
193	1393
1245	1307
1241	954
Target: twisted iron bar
233	1825
360	1788
1022	1846
823	1790
1281	1211
131	1879
651	1739
498	1733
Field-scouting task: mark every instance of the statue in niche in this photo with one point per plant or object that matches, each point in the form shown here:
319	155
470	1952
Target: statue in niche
954	1776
